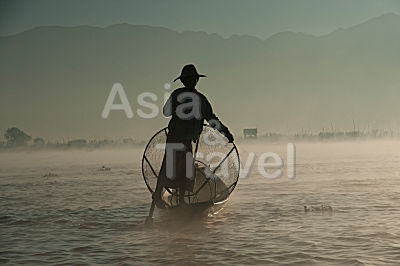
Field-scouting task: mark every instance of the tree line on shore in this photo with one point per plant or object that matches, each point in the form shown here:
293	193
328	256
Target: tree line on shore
332	135
17	138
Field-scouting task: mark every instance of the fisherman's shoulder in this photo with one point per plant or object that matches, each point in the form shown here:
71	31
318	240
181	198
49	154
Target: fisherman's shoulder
202	96
178	91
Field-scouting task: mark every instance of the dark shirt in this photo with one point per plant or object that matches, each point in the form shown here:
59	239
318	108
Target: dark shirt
189	108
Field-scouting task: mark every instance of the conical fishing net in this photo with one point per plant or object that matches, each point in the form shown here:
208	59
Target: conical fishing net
217	167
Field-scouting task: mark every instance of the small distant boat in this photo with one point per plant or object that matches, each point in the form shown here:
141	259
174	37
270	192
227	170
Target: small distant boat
50	174
103	168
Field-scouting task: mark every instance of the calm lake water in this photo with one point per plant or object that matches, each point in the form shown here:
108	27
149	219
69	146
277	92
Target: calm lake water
86	216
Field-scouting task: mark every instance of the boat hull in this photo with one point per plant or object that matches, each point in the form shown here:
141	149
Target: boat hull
202	208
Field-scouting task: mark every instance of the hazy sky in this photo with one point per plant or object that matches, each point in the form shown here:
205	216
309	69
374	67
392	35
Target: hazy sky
273	79
254	17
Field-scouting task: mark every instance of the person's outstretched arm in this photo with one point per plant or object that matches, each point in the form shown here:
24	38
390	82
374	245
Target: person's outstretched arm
214	121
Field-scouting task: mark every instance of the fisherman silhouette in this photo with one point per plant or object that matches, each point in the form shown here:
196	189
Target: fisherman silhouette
188	109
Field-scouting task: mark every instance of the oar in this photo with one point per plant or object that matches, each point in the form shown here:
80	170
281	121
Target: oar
149	218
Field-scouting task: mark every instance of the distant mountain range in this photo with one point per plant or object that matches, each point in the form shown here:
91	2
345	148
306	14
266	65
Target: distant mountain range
54	81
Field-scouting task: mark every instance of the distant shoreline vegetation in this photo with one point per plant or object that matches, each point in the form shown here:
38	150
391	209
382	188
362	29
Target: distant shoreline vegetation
330	136
16	139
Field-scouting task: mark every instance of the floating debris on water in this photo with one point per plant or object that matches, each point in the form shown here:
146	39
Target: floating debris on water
50	174
103	168
321	208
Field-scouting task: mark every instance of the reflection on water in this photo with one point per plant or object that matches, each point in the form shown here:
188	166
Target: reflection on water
83	215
